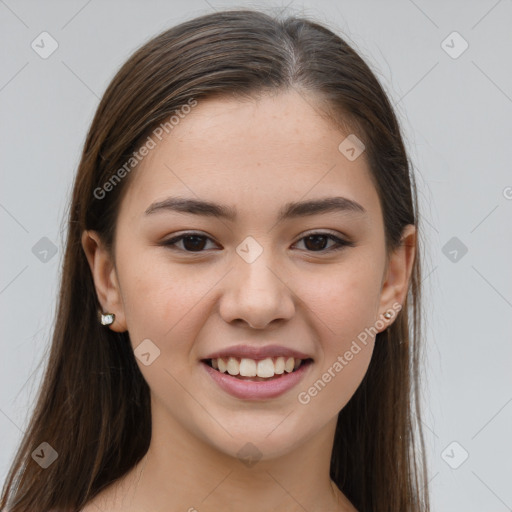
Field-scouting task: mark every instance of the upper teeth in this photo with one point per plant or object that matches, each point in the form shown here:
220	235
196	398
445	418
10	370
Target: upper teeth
251	368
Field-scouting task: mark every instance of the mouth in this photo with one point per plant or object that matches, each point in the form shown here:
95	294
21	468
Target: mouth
257	379
262	370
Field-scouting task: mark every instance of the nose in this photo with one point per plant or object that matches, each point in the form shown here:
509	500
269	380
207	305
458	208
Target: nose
256	294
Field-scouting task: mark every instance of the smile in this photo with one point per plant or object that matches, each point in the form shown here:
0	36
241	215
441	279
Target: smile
263	368
252	379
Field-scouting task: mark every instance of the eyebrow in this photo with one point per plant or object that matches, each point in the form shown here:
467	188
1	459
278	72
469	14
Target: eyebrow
288	211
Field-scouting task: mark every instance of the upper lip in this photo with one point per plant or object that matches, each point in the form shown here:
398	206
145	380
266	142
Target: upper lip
251	352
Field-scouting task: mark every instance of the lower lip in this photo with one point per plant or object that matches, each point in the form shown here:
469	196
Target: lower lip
257	390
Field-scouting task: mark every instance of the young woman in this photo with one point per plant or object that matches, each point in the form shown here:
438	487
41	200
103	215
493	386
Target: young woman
239	318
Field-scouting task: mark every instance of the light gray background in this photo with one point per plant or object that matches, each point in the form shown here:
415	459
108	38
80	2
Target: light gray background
456	115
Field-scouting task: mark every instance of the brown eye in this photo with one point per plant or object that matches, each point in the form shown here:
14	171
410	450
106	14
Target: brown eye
192	242
316	242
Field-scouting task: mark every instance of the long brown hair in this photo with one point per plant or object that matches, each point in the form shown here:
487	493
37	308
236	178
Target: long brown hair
93	406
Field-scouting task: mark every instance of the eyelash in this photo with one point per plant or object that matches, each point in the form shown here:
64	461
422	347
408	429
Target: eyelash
340	243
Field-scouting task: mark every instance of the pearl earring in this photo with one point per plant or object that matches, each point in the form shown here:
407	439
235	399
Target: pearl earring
388	315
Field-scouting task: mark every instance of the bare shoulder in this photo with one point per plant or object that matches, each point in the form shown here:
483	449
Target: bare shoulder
109	499
93	506
100	503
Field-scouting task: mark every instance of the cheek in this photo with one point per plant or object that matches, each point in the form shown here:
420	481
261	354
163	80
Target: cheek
157	299
164	307
335	382
345	310
344	298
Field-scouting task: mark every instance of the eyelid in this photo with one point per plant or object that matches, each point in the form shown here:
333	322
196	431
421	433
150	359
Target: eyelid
341	241
171	242
321	232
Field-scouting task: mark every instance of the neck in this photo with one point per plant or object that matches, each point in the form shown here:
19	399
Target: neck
186	473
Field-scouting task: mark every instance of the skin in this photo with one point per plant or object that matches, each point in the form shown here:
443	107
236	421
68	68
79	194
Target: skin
254	156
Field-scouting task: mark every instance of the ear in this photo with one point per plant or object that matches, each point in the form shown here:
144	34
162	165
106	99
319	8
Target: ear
105	278
395	282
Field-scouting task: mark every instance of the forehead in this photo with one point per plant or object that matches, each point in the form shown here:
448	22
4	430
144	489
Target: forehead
252	153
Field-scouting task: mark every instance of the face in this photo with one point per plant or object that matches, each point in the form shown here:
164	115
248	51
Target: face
251	285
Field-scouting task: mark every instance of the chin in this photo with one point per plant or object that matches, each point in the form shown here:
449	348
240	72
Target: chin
265	441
